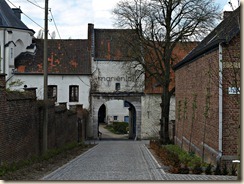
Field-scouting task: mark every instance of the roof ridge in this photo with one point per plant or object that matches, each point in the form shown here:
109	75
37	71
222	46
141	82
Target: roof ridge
223	32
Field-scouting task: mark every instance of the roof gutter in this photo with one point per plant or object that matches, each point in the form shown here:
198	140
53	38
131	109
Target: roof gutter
192	57
24	29
4	54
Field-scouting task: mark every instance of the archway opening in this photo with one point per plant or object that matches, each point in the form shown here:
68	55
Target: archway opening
102	114
113	116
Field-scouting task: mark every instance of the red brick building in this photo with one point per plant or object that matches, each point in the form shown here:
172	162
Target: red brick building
207	94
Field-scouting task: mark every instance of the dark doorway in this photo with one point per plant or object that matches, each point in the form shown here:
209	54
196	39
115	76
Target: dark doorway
102	114
132	121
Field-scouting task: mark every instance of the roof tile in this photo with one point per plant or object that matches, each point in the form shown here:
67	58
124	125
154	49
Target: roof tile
64	57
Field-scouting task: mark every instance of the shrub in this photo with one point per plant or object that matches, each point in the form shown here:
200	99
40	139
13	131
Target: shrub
184	170
197	169
225	170
217	170
179	160
185	158
233	170
120	127
208	170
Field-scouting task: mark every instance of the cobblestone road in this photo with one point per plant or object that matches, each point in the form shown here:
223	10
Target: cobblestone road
120	160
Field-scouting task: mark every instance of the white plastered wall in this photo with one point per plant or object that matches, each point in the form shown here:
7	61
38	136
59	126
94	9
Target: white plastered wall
63	82
151	113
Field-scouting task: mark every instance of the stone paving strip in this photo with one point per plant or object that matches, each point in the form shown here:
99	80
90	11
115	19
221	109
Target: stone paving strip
120	160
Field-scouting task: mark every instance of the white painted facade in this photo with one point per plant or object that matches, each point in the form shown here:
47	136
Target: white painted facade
108	74
115	108
151	114
12	43
63	82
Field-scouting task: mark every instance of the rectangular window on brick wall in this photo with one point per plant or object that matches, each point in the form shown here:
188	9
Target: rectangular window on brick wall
52	92
74	93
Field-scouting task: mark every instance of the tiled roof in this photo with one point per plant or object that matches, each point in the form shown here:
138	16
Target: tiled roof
223	33
64	57
8	19
109	44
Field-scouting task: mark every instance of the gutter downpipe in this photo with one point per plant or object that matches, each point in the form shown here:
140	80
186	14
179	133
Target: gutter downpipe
4	54
220	102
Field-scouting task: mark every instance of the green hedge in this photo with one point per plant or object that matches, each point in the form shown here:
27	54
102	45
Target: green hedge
120	127
190	160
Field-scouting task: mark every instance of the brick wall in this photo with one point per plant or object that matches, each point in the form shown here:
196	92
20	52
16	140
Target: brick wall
192	82
21	125
231	102
196	91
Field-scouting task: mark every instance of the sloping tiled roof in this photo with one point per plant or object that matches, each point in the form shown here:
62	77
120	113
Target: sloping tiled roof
64	57
8	19
223	33
109	44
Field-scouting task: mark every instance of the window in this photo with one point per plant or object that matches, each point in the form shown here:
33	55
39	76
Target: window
115	118
117	86
126	119
73	93
52	92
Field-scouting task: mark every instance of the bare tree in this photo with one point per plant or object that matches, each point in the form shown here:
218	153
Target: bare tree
159	26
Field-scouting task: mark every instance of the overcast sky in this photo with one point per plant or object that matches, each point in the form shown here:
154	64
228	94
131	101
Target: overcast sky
73	16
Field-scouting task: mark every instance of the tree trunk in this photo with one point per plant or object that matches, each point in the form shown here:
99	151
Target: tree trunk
164	121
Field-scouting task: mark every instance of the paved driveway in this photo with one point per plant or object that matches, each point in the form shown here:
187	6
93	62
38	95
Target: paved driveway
120	160
111	160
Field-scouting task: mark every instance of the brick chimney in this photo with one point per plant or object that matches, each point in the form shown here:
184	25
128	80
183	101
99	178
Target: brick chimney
91	37
17	12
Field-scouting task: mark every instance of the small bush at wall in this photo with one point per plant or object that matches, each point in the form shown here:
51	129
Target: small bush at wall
179	160
233	170
120	127
225	170
217	170
197	169
208	170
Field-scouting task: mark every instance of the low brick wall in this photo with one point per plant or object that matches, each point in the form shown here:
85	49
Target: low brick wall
21	120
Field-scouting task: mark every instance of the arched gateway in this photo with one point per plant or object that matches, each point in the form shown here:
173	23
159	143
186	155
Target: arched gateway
134	100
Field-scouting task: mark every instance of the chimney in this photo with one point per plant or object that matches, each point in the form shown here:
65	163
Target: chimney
17	12
227	14
91	38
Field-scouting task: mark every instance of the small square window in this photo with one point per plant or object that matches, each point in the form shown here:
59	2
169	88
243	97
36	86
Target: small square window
115	118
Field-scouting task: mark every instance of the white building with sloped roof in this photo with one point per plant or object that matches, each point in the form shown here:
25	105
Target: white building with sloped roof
15	38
